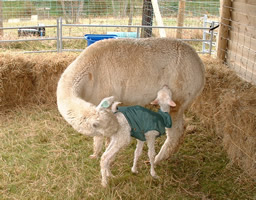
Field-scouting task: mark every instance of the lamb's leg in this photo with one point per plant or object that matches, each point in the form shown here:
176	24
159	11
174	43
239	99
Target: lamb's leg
97	146
117	142
106	159
174	138
151	136
137	154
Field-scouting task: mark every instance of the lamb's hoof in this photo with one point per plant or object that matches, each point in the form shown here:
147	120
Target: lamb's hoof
104	184
135	171
109	174
93	156
156	177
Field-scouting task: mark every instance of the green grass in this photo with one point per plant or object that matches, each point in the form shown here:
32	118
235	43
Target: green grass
42	157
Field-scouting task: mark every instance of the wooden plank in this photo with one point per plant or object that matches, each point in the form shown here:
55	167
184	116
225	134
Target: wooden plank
243	62
242	73
243	40
243	18
243	28
251	2
244	8
223	29
242	51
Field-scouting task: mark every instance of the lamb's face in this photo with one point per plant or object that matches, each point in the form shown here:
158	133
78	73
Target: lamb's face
164	99
104	123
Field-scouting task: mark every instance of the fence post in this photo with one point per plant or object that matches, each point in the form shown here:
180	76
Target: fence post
58	35
181	16
204	32
211	38
224	29
61	46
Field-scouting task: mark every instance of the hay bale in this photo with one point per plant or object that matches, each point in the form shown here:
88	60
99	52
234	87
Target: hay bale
30	78
228	107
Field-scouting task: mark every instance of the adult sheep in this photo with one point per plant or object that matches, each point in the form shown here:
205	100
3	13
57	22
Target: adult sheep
132	70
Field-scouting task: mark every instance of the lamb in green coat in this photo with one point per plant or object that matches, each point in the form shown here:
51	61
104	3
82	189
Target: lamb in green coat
141	123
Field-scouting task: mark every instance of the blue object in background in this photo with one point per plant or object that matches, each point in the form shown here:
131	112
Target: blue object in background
124	34
91	38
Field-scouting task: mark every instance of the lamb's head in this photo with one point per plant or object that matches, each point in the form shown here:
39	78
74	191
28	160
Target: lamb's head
164	99
94	121
105	122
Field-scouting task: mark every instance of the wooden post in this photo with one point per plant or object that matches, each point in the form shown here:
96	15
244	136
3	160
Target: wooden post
1	18
181	17
159	19
147	18
224	29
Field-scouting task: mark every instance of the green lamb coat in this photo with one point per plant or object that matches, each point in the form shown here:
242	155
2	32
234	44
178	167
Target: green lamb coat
142	120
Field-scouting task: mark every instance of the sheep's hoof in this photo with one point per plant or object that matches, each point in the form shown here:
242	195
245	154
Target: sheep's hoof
93	156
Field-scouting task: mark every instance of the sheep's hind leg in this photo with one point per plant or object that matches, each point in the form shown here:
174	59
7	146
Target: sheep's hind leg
173	140
137	154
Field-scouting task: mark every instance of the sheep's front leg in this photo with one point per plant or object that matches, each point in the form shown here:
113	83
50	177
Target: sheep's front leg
97	146
137	154
151	136
174	138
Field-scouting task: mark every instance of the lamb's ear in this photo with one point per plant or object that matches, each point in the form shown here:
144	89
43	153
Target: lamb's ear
106	102
155	102
114	106
172	103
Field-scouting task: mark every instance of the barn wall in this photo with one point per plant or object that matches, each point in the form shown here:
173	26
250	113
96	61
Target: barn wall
240	50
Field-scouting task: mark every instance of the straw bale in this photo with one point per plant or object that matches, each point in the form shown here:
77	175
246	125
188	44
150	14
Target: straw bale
30	78
228	107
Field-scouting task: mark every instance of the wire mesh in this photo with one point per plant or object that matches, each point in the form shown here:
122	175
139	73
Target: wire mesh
111	12
240	48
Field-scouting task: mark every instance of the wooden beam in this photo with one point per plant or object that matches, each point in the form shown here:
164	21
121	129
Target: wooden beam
224	29
158	16
1	18
181	17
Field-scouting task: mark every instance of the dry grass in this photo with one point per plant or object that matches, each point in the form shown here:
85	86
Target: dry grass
42	157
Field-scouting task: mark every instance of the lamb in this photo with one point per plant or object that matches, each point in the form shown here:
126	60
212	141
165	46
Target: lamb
132	70
151	124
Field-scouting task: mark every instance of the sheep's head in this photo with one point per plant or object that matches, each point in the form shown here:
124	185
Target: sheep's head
164	99
100	121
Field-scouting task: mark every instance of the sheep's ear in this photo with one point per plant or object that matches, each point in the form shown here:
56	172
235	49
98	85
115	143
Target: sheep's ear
172	103
106	102
155	102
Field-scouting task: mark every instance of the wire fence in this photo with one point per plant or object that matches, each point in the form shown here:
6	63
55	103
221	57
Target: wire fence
237	43
62	32
120	13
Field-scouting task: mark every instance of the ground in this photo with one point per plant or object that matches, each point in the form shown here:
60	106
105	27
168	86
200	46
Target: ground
42	157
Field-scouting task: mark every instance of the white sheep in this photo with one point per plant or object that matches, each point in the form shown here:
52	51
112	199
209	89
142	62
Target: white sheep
141	123
132	70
